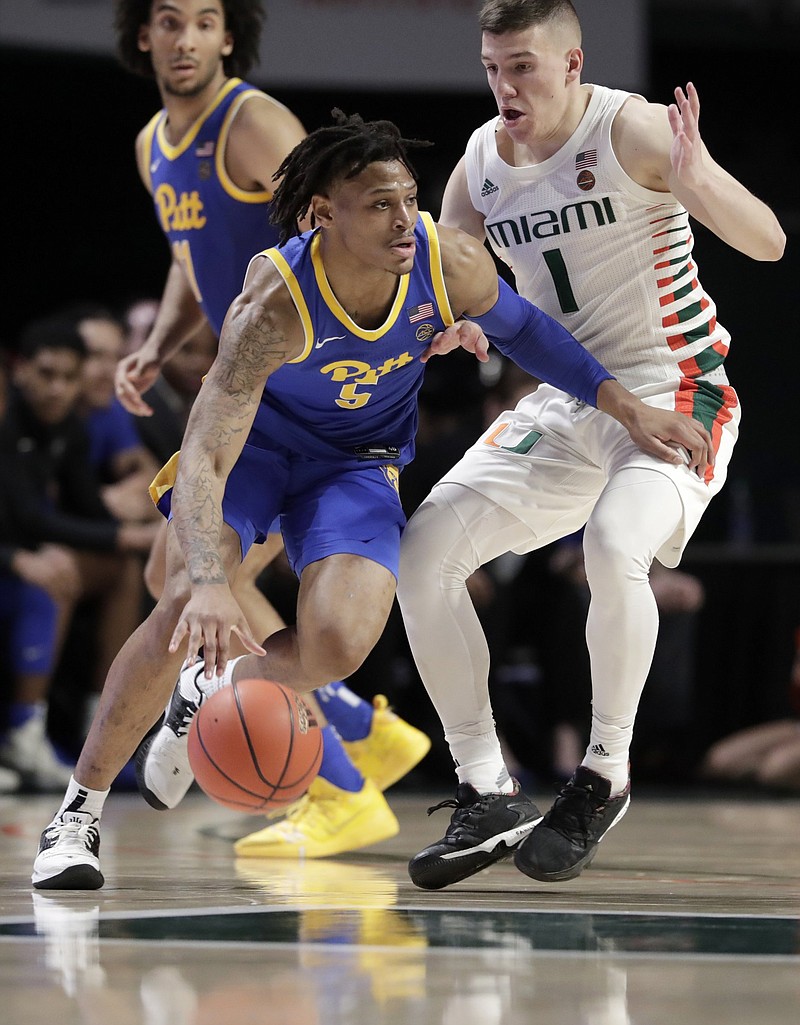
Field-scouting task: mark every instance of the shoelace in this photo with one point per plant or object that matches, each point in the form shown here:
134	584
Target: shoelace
180	722
576	805
465	810
79	832
451	802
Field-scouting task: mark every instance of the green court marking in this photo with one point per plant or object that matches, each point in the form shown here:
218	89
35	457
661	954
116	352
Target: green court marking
475	929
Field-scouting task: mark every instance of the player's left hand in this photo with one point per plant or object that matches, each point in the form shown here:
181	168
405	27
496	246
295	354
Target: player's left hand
686	152
464	334
673	437
208	619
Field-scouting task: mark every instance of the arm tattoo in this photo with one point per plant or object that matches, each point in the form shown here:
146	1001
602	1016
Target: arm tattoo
218	427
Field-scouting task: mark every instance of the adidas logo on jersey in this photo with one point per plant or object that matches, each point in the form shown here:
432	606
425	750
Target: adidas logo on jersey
488	188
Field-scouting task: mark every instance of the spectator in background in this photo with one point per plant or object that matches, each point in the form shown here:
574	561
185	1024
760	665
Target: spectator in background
35	587
123	464
124	468
768	754
61	543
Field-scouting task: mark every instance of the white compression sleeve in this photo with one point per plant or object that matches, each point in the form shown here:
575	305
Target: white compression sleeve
637	512
454	532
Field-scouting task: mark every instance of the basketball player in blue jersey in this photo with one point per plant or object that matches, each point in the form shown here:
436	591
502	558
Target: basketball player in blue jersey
586	192
207	158
309	412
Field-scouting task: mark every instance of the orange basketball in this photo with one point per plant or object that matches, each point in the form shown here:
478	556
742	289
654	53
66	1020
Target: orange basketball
255	746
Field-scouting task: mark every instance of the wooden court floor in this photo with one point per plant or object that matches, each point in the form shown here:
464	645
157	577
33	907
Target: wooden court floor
690	914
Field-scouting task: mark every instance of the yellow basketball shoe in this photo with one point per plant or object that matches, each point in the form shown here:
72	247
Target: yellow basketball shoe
326	821
390	750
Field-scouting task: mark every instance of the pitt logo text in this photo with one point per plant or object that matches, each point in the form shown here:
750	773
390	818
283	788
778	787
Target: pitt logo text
179	214
357	374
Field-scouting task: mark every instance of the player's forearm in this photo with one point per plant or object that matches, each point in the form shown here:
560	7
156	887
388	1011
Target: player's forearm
218	426
179	317
618	402
735	215
197	518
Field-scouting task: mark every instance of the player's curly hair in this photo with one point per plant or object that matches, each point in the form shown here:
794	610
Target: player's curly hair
329	154
243	19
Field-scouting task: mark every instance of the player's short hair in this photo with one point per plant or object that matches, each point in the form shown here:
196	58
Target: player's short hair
243	19
499	16
329	154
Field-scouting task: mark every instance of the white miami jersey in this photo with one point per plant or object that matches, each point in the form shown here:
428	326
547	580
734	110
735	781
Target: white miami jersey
609	259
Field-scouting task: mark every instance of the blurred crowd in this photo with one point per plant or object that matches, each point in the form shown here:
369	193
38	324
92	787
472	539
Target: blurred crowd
77	532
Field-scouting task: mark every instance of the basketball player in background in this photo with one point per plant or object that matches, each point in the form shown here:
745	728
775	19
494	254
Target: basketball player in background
614	180
207	158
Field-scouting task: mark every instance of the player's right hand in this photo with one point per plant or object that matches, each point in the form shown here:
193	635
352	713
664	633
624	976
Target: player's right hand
464	334
134	375
208	619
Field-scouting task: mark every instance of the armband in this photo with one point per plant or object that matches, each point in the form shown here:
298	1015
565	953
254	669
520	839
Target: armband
541	346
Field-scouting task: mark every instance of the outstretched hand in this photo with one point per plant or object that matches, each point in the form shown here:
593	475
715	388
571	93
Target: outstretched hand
464	334
686	152
208	619
673	437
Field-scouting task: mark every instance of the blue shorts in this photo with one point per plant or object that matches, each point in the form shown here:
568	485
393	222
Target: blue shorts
324	509
30	616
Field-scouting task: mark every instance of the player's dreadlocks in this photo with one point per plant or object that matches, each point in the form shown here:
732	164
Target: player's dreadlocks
337	151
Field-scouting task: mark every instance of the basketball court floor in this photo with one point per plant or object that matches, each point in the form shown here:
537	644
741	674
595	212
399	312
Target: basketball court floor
690	914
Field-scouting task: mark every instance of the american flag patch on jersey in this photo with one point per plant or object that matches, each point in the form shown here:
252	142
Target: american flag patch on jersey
420	312
586	159
205	149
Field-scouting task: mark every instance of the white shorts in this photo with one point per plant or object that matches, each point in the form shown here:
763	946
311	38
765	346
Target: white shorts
548	461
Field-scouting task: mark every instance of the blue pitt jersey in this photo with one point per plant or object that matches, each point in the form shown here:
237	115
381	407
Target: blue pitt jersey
352	388
212	225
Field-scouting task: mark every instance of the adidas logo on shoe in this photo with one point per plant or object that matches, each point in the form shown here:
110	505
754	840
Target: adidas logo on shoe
488	188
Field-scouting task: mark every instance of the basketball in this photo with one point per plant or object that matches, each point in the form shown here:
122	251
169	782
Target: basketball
255	746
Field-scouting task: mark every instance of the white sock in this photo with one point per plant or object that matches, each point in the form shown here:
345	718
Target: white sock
81	799
608	752
479	762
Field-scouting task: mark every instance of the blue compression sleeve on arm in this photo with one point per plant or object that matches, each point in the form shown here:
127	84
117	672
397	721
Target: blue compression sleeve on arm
541	346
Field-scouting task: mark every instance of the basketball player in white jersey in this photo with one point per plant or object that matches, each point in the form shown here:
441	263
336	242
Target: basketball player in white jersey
586	193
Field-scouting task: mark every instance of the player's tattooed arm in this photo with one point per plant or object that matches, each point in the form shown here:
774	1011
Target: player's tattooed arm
261	332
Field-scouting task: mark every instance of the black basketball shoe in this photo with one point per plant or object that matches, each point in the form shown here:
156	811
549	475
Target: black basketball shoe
484	828
566	839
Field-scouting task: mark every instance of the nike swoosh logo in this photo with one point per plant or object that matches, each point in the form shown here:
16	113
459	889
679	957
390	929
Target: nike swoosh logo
331	338
154	166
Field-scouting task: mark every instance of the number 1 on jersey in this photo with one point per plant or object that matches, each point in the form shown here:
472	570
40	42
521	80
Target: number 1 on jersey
558	271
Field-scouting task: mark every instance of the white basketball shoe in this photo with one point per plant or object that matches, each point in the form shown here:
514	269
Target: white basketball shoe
163	773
